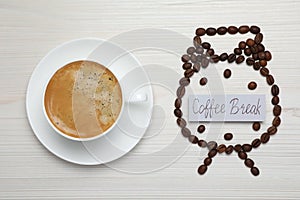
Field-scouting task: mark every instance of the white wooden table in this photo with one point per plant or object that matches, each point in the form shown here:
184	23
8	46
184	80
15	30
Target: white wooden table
29	29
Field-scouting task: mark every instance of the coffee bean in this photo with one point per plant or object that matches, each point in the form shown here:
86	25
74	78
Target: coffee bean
260	47
229	149
254	53
257	48
210	52
264	138
203	81
247	147
254	49
255	56
189	73
275	100
232	30
277	110
252	85
207	161
193	139
228	136
264	71
227	73
237	51
256	66
196	67
222	30
250	61
206	45
243	29
200	57
178	112
247	51
185	132
201	128
199	50
180	92
254	29
200	31
211	31
249	163
242	45
268	55
223	56
263	63
212	153
185	58
275	90
202	143
242	155
256	126
215	58
184	81
258	38
237	147
255	143
270	79
178	103
231	58
261	55
197	41
255	171
181	122
204	62
202	169
240	59
272	130
186	66
276	121
250	42
193	58
191	50
221	148
212	145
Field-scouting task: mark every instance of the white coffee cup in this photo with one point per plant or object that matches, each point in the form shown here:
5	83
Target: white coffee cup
135	99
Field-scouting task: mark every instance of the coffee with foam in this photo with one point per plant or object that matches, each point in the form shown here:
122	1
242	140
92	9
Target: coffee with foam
83	99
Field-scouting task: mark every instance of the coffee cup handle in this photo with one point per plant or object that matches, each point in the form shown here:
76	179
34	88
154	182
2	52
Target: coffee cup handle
138	98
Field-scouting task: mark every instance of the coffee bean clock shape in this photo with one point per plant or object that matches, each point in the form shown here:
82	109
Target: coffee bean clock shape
198	56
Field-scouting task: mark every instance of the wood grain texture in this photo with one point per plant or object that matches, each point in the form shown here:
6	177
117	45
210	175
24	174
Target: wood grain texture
29	29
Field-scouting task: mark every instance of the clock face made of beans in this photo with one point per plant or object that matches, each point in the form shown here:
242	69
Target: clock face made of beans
201	55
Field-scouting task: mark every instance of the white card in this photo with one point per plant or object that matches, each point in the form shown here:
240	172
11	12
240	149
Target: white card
239	107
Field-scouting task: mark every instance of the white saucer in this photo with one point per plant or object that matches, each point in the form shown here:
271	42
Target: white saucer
135	117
